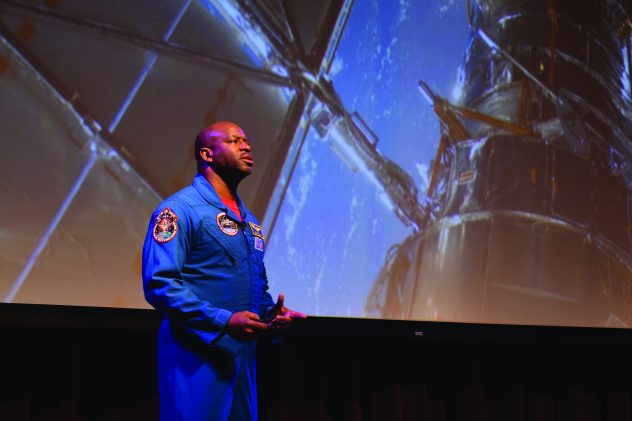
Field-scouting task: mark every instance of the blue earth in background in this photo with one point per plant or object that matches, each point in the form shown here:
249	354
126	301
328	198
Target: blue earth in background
334	229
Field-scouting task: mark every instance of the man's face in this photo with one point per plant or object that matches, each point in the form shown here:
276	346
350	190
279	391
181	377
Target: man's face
231	152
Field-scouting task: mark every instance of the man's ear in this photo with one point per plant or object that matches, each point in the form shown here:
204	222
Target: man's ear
206	154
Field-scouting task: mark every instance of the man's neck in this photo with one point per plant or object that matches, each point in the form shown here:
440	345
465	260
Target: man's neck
225	190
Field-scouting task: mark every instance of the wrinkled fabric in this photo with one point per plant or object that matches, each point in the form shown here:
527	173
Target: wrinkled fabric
197	275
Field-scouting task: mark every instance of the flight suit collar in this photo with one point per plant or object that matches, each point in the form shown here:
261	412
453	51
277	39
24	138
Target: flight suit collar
206	190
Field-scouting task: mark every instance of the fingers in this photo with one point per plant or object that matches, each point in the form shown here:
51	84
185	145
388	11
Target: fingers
280	323
258	326
283	319
278	307
250	315
255	322
245	326
295	314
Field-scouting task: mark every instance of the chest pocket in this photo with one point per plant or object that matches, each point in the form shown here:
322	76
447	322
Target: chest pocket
232	245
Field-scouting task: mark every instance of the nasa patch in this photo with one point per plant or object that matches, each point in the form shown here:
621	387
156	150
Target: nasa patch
165	226
258	244
227	225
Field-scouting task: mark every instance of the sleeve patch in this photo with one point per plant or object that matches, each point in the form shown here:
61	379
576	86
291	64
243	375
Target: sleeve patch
165	226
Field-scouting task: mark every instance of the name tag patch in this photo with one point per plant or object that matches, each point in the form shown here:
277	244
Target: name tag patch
256	230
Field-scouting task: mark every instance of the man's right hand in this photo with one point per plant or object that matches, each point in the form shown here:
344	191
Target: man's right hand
245	326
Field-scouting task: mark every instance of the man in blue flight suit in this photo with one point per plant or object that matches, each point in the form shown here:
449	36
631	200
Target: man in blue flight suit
203	271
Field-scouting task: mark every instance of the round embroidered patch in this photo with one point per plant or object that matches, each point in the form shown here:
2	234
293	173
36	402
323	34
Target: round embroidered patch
165	226
227	225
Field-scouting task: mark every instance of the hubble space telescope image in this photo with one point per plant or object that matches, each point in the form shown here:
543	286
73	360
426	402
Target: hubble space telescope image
452	160
528	216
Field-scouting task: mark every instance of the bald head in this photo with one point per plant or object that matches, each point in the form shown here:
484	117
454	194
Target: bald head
207	137
223	151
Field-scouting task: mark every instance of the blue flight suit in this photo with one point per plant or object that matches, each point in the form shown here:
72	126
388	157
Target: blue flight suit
201	264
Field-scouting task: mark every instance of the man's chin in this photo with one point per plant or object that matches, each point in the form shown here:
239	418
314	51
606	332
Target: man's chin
245	171
236	174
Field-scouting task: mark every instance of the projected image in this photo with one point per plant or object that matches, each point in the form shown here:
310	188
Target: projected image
507	197
453	160
357	185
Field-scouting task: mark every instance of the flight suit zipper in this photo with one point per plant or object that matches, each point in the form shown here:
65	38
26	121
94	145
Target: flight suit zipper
242	226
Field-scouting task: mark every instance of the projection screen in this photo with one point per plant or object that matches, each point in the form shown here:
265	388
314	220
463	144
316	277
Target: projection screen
450	160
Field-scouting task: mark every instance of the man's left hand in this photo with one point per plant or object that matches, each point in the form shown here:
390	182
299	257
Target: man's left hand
281	317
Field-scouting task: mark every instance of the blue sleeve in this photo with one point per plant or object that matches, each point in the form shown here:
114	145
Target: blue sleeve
165	288
266	305
266	299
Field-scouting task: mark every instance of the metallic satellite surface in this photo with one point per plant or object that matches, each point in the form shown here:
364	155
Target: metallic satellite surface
532	178
437	160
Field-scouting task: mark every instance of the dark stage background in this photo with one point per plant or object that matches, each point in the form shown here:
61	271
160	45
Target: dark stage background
71	363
